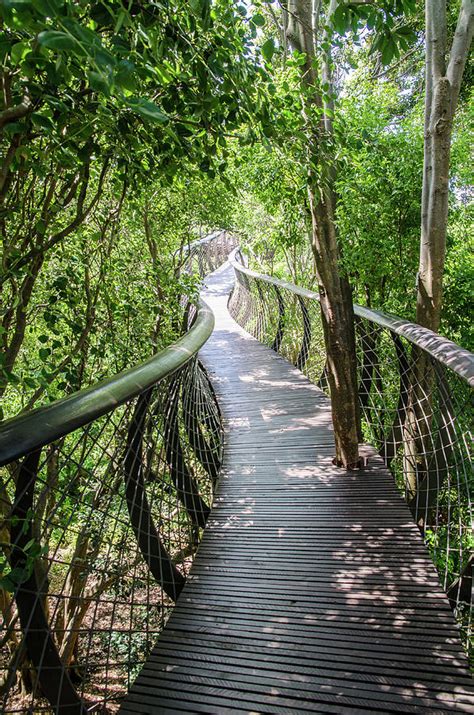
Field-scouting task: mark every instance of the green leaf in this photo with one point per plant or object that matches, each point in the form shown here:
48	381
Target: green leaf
409	6
49	8
19	575
103	57
268	49
19	51
40	227
33	549
196	6
17	4
125	75
56	40
39	120
14	379
340	19
163	74
388	51
258	20
120	19
406	30
6	584
148	110
99	82
371	20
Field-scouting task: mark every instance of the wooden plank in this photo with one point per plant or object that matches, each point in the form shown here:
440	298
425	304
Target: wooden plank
302	685
185	645
288	670
312	590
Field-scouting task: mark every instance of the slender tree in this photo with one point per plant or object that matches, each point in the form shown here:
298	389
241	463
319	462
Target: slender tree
310	29
306	30
443	75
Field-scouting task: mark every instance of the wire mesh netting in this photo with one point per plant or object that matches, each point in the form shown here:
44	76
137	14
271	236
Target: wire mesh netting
100	525
204	256
416	411
99	528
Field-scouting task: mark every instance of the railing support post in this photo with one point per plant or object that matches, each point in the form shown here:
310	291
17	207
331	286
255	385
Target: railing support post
281	320
154	553
306	342
30	595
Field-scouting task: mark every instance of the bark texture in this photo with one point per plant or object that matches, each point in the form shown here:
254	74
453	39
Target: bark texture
335	294
442	84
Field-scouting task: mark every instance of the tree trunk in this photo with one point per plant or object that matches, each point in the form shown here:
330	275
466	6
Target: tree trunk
442	85
338	325
335	294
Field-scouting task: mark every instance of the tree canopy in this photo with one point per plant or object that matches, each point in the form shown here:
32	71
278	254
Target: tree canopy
331	136
128	129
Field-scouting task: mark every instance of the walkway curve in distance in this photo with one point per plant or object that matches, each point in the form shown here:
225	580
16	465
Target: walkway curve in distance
312	590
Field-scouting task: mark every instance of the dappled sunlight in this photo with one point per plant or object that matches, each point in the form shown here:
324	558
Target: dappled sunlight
235	422
255	376
309	579
231	522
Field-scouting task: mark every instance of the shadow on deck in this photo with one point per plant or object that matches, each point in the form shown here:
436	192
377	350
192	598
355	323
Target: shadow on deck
312	590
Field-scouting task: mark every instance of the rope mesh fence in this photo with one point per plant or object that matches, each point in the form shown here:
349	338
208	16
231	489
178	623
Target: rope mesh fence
99	528
206	255
416	410
100	524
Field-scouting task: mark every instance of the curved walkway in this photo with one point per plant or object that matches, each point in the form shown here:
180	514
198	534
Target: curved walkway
312	591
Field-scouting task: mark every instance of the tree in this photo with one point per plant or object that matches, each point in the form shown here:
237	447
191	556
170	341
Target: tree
99	101
442	86
334	292
378	212
443	75
310	27
96	99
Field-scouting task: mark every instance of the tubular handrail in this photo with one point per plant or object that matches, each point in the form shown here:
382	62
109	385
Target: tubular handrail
201	241
448	353
104	496
190	247
206	254
414	412
26	433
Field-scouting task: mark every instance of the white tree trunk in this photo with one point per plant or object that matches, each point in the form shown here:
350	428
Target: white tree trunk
442	85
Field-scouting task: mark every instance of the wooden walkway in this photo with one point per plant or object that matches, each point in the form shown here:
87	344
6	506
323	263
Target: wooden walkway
312	591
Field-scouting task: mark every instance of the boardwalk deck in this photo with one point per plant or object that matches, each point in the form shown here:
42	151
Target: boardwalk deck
312	591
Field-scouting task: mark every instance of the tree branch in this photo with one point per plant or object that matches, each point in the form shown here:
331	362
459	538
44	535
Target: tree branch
460	50
81	215
17	112
395	64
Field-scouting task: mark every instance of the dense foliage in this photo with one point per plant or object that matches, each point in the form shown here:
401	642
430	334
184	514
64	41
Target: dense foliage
105	108
379	152
129	130
110	109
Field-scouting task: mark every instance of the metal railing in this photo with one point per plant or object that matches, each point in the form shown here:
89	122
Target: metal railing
207	254
104	496
415	394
